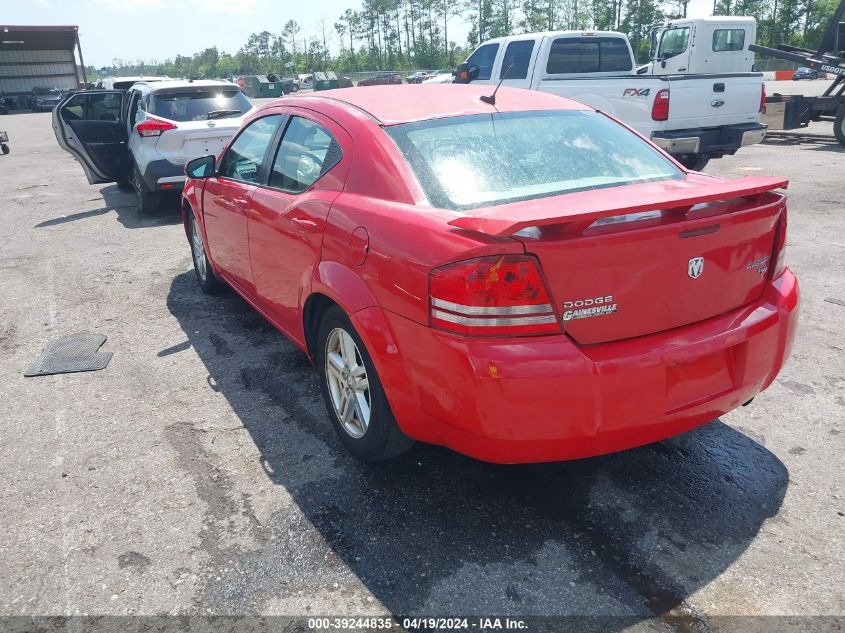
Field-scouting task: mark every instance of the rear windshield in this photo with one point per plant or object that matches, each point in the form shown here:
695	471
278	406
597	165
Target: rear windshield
484	159
199	106
588	55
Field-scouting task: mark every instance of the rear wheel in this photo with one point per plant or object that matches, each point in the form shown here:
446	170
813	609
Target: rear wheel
839	126
147	200
695	162
208	281
354	397
4	148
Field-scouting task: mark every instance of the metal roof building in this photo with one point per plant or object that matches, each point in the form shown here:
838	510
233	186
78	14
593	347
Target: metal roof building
39	56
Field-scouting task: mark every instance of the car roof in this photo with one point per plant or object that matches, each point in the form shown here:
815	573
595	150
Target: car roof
169	84
406	103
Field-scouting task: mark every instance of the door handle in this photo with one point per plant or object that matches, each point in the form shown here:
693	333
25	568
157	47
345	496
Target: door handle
241	201
306	225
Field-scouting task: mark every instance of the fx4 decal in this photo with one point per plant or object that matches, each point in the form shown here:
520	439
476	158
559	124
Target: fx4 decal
637	93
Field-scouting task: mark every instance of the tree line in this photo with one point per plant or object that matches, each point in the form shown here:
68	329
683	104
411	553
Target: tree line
412	34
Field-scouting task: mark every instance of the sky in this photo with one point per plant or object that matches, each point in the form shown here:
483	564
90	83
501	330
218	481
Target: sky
161	29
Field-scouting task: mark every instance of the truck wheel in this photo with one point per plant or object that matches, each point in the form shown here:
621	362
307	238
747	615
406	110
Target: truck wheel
147	200
4	148
839	126
355	399
695	162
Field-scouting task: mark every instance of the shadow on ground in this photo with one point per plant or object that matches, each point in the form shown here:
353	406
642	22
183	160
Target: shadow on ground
631	534
125	206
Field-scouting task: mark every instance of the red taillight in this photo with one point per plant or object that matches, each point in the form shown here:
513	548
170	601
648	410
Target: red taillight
763	100
779	251
660	107
501	295
154	127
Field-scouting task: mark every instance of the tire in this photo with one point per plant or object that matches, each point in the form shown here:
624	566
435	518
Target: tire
147	200
206	278
695	162
341	357
4	148
839	126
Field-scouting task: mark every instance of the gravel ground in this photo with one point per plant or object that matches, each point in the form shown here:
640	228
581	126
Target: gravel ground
198	474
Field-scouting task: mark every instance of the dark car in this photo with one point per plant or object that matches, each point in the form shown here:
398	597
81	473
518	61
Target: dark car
805	73
44	98
381	79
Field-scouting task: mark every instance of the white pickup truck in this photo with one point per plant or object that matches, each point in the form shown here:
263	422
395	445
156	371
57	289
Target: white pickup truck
694	117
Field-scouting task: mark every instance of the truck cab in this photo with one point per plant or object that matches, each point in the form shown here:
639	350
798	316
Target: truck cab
693	116
716	44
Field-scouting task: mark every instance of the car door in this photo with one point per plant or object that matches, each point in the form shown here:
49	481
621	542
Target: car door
227	196
90	126
288	215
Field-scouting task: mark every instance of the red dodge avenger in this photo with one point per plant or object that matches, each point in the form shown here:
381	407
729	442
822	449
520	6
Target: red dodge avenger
521	278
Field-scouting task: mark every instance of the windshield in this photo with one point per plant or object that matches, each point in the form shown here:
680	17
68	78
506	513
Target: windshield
471	161
199	106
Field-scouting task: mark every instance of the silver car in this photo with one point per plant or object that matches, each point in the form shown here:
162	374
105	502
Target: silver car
141	138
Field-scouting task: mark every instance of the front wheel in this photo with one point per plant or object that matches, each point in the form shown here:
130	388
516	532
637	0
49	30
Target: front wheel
839	126
4	148
354	397
206	278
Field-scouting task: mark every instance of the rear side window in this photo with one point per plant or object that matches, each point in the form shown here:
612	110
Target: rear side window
244	158
483	58
485	159
517	58
728	40
307	151
588	55
198	106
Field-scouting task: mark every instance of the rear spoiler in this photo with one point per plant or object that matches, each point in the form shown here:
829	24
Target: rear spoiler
585	207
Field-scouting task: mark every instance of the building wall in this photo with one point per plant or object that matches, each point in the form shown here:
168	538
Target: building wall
21	71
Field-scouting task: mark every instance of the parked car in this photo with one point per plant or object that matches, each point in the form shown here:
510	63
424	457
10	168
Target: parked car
293	82
418	77
694	117
142	138
4	105
519	278
4	142
124	83
41	98
381	79
440	78
805	73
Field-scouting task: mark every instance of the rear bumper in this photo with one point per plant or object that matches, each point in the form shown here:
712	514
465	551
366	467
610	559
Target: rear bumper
547	399
713	141
162	175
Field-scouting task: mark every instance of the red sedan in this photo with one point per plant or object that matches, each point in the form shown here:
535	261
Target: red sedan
524	280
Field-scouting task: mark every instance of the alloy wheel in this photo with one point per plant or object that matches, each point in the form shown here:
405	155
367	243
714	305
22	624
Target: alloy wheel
200	261
349	387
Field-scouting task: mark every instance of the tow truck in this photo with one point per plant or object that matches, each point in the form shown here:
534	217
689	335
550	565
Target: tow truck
787	112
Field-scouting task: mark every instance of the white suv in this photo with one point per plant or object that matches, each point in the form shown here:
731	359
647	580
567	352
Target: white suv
142	137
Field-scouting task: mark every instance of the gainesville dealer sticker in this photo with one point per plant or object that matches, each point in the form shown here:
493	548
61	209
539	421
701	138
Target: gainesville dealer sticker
586	308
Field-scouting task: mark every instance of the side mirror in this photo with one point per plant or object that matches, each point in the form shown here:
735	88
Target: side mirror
202	167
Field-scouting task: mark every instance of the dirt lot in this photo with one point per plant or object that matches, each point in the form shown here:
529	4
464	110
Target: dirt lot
198	473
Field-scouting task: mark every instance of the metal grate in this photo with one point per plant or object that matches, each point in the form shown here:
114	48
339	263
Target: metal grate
69	354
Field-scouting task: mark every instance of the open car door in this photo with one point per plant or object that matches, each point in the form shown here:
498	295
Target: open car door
90	125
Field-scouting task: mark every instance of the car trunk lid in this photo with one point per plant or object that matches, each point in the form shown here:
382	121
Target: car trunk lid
634	260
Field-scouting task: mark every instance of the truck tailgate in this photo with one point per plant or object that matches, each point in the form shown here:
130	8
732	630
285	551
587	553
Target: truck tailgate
640	259
698	101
